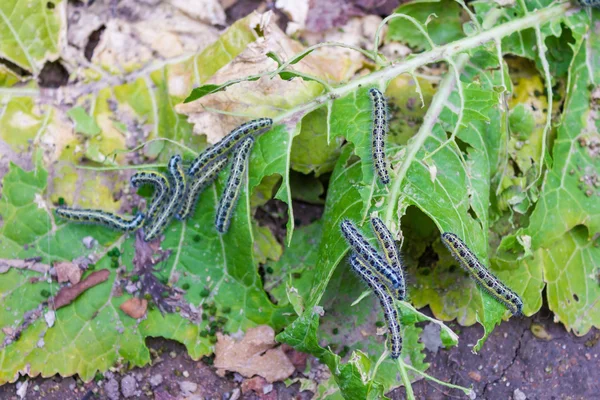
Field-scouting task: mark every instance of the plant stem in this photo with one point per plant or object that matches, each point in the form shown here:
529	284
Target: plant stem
427	376
435	108
439	53
410	395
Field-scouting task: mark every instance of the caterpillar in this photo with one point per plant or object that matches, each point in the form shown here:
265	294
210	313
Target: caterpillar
197	185
379	130
233	186
101	218
392	256
161	188
385	299
369	254
219	149
482	275
589	3
171	206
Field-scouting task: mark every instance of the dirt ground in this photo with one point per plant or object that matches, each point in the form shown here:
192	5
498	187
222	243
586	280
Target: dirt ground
514	364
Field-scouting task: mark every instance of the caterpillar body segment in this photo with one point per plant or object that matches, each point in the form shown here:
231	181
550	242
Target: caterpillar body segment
233	138
379	131
233	187
484	278
173	201
385	300
359	244
99	217
197	185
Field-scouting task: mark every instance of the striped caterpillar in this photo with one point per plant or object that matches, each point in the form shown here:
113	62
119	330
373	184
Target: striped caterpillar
161	188
379	131
369	254
589	3
219	149
484	278
392	256
385	299
198	184
100	217
171	206
233	186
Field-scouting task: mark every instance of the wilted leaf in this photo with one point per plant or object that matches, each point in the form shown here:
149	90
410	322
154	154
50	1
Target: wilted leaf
254	354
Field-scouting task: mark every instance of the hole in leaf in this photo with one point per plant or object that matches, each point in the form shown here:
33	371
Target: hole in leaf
472	213
463	146
93	41
53	75
14	67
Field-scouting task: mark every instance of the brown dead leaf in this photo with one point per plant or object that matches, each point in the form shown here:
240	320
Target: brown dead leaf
66	295
137	32
134	307
266	96
32	264
255	354
67	272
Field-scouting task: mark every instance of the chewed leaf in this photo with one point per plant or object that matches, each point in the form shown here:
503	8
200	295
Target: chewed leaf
442	19
30	35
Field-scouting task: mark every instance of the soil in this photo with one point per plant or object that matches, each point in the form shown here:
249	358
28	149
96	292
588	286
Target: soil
513	364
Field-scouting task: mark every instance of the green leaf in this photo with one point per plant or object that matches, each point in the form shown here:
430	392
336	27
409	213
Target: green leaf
30	32
295	269
442	19
311	151
84	123
521	122
231	278
567	204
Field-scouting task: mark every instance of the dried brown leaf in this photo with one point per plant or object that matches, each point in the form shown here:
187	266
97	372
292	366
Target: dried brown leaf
32	264
262	97
255	354
134	307
66	295
67	272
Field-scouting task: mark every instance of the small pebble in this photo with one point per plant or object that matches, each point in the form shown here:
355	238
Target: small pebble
128	386
519	395
111	388
155	380
173	354
88	242
186	374
187	387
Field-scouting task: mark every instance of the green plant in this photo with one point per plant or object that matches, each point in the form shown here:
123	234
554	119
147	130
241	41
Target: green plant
508	163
